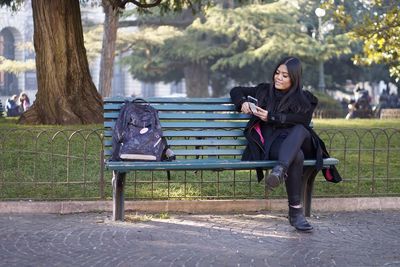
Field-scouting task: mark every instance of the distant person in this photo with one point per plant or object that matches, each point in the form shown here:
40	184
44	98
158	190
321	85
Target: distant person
351	109
1	109
384	99
357	93
393	100
12	108
24	102
344	104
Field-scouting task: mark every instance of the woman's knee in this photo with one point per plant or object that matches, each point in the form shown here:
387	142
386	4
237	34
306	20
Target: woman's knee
299	157
299	128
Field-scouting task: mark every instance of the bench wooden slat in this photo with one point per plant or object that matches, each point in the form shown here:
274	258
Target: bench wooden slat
204	152
188	133
190	116
204	164
178	107
193	125
182	100
200	142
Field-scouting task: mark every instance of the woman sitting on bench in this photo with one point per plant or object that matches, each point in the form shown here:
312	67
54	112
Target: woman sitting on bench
279	130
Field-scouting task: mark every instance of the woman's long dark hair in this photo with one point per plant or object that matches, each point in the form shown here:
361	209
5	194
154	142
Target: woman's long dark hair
294	100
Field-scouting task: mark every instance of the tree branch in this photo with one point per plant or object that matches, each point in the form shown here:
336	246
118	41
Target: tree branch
123	3
160	22
369	32
183	19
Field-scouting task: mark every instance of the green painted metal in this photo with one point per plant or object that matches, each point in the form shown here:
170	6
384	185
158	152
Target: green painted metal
190	116
205	134
204	164
201	152
212	135
188	133
221	100
194	125
200	142
179	107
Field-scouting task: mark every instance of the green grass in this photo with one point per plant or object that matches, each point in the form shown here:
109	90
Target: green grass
48	162
369	154
356	123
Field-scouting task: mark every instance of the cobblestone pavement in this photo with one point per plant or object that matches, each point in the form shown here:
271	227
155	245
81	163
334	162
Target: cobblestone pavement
367	238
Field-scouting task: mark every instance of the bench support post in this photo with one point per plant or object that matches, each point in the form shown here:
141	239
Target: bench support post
118	182
309	174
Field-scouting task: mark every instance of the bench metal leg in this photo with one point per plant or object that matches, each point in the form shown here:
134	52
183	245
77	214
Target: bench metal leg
118	182
307	190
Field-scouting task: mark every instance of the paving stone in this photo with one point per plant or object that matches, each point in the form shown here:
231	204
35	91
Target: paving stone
363	238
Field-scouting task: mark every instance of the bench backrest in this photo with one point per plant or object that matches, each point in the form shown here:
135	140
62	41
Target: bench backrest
194	127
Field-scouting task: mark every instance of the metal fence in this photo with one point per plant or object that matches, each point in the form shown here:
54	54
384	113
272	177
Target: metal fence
52	164
329	113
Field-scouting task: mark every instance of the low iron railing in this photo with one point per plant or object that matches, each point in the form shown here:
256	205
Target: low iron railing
53	164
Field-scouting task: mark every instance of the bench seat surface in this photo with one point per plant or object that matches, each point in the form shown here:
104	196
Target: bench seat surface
203	164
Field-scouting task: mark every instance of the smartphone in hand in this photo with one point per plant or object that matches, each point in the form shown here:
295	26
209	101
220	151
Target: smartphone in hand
253	103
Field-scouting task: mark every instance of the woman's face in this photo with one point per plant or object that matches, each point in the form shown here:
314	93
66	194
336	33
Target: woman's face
281	78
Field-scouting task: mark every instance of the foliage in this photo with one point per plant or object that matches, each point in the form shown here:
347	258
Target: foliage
146	60
176	6
14	5
15	66
380	34
239	43
326	102
377	25
93	41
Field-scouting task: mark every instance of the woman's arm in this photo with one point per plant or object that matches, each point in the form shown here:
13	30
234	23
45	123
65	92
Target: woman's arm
290	118
239	95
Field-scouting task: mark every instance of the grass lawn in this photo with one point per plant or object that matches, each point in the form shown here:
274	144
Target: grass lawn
356	123
48	162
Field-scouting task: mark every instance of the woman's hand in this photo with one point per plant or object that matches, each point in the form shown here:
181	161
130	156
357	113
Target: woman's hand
261	113
246	108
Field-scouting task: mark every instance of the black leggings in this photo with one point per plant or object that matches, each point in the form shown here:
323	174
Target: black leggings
290	148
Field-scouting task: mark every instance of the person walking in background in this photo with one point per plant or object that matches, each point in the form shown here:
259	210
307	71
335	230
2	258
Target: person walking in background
24	102
12	108
279	130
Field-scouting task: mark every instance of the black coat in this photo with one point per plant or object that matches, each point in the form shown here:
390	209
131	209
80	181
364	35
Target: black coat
277	123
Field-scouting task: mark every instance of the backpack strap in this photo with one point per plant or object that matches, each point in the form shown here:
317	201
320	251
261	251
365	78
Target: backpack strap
139	100
167	155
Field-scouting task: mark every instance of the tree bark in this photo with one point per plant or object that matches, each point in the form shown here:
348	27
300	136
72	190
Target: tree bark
196	79
218	85
66	93
108	47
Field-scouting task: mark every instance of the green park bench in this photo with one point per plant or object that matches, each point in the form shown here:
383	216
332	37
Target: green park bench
204	134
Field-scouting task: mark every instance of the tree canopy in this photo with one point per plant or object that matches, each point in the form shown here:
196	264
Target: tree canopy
238	43
377	25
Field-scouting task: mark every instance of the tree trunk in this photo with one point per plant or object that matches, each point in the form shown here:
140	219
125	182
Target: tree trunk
108	47
196	79
66	93
218	84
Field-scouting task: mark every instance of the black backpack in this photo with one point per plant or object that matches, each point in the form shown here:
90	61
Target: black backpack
137	134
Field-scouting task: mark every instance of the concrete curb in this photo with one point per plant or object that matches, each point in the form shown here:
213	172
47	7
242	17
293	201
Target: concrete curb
200	206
